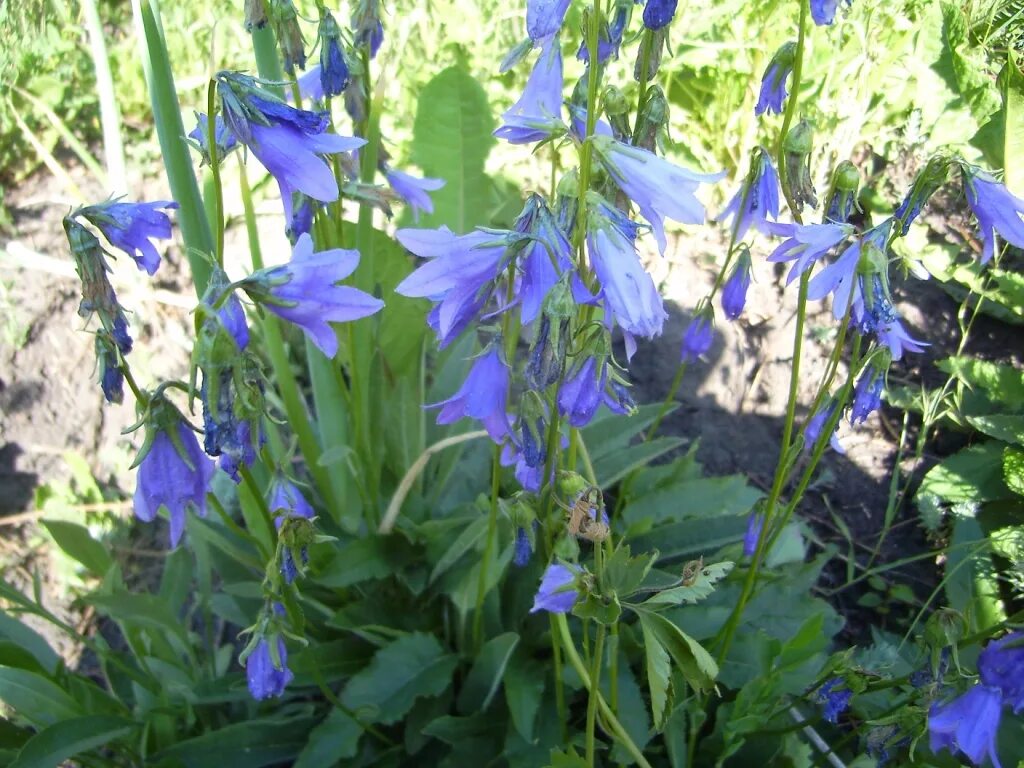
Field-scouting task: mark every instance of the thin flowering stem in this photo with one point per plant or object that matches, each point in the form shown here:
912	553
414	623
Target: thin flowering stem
556	657
140	396
485	561
218	189
645	65
594	689
586	149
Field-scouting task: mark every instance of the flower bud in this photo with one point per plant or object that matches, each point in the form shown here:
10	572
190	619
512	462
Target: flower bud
653	118
255	15
659	13
653	50
617	109
289	35
842	193
734	292
928	180
366	25
333	67
798	146
698	336
111	375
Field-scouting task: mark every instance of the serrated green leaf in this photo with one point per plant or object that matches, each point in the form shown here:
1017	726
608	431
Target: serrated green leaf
972	475
703	585
1006	427
603	611
696	664
1003	383
487	673
365	559
67	738
659	677
623	574
451	140
75	541
1013	469
609	432
401	672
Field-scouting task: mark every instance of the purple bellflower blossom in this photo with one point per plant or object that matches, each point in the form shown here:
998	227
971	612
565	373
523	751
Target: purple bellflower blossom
544	260
459	276
734	292
997	209
867	395
556	593
109	364
968	724
1001	665
333	67
311	84
756	199
538	113
873	312
413	190
659	13
523	548
174	473
609	37
223	138
805	244
816	423
629	291
755	522
286	502
288	142
582	392
544	18
483	395
824	11
835	701
130	227
659	188
299	211
305	292
840	277
697	338
773	83
267	680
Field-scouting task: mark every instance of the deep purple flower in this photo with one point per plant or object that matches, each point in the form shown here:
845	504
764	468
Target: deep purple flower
285	498
816	423
367	28
835	701
459	276
333	67
629	291
755	522
556	594
824	11
267	679
305	292
773	83
224	139
174	474
867	395
805	244
544	18
413	190
538	113
311	84
483	396
1001	665
840	278
609	38
130	227
997	209
734	292
968	724
873	312
658	187
111	375
582	392
288	142
658	13
523	549
756	199
230	314
299	212
697	338
543	261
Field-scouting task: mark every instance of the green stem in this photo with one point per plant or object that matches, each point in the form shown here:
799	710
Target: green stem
485	562
645	65
218	188
666	404
617	731
586	150
594	690
556	653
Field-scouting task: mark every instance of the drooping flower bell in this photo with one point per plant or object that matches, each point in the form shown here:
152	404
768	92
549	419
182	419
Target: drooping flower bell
824	11
927	182
840	277
413	189
773	83
538	113
542	260
523	548
174	473
816	423
609	36
266	658
459	276
1001	665
867	394
109	364
996	208
130	227
755	522
333	67
836	698
306	292
659	188
757	199
734	292
558	591
293	517
659	13
544	18
698	336
367	28
483	395
288	142
805	244
98	297
841	199
285	21
798	146
199	136
968	724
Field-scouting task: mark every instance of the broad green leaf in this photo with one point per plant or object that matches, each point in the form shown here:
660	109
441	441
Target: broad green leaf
36	698
691	538
335	738
963	67
659	676
77	544
467	582
610	432
1002	383
569	759
1006	427
67	738
602	610
262	742
1013	106
970	586
1013	469
702	586
400	673
623	574
402	326
611	468
27	638
487	673
974	474
451	140
463	543
696	664
524	688
701	497
372	557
